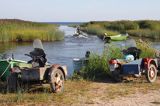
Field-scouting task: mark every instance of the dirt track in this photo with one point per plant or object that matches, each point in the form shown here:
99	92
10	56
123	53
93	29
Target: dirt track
138	99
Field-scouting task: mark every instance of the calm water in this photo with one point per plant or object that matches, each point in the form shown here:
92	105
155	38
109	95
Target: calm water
63	52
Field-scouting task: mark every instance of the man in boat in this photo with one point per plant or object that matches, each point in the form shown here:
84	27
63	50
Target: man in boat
78	30
106	38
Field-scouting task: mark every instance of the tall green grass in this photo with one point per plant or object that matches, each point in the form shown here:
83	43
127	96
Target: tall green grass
98	66
98	30
18	30
147	50
142	28
147	33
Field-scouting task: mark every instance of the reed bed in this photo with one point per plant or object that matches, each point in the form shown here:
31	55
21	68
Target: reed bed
98	30
18	30
141	28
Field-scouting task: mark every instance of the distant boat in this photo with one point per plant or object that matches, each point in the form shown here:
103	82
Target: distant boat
118	37
80	35
76	34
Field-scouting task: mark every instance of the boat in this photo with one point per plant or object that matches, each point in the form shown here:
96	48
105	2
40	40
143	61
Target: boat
80	35
118	37
78	63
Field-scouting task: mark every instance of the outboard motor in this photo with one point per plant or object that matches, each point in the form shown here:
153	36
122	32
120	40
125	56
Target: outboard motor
38	56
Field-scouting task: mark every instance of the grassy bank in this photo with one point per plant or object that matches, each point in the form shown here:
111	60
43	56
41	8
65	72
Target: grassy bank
77	92
18	30
144	28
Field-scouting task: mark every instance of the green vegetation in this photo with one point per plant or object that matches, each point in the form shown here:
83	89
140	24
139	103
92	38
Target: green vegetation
18	30
98	67
97	29
147	50
144	28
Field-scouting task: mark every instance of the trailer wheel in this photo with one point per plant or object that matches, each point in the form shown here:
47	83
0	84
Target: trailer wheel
56	79
13	83
151	73
116	75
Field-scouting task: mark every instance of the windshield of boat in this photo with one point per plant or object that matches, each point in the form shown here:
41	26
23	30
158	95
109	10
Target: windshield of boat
37	44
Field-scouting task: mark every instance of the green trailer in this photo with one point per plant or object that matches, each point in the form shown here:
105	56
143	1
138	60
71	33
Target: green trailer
18	73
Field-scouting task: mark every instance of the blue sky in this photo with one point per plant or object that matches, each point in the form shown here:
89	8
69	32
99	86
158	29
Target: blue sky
79	10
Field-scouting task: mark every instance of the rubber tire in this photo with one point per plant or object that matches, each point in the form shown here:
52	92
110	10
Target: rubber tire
116	75
52	76
148	73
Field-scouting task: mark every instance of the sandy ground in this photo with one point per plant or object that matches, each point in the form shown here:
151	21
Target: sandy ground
150	98
138	99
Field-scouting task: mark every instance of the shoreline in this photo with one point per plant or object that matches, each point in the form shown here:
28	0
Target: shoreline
139	28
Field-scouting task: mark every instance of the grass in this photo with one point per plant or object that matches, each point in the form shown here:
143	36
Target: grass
141	28
98	66
147	33
147	50
45	97
78	92
98	30
18	30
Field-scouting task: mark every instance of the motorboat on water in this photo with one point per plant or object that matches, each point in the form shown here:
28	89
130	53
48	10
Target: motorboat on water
118	37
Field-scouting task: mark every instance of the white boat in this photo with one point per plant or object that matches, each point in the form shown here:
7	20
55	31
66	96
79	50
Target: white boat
81	35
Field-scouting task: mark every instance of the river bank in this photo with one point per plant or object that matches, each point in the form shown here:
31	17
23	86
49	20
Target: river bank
141	28
14	30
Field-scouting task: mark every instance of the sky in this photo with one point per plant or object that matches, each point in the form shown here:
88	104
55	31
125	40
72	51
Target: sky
79	10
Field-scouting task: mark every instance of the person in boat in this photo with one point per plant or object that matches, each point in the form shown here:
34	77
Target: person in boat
106	38
78	30
87	55
86	58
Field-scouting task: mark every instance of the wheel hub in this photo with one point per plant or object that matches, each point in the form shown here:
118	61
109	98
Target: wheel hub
152	73
58	82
